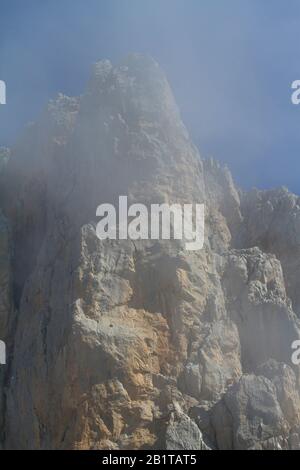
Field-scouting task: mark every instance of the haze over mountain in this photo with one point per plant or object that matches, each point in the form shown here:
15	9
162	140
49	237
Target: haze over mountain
121	344
231	65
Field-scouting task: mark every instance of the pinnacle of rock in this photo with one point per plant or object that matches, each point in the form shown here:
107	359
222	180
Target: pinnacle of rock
115	344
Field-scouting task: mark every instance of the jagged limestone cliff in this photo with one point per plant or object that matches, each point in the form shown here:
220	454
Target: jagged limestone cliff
122	344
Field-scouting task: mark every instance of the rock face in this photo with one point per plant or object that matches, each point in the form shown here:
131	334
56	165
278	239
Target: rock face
131	344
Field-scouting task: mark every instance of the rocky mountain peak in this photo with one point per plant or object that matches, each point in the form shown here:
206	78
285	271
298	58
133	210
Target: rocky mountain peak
118	344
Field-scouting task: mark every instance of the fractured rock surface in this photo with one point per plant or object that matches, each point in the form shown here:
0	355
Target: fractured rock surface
122	344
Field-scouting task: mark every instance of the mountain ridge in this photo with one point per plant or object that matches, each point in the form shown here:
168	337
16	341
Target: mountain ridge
121	345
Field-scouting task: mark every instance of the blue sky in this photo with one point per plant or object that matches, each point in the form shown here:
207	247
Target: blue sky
230	64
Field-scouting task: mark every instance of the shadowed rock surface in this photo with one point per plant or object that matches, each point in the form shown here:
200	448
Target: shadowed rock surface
122	344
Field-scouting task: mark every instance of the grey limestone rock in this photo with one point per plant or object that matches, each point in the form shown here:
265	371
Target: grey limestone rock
123	344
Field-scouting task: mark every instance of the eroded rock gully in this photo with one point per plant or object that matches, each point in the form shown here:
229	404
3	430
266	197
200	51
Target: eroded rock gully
118	344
